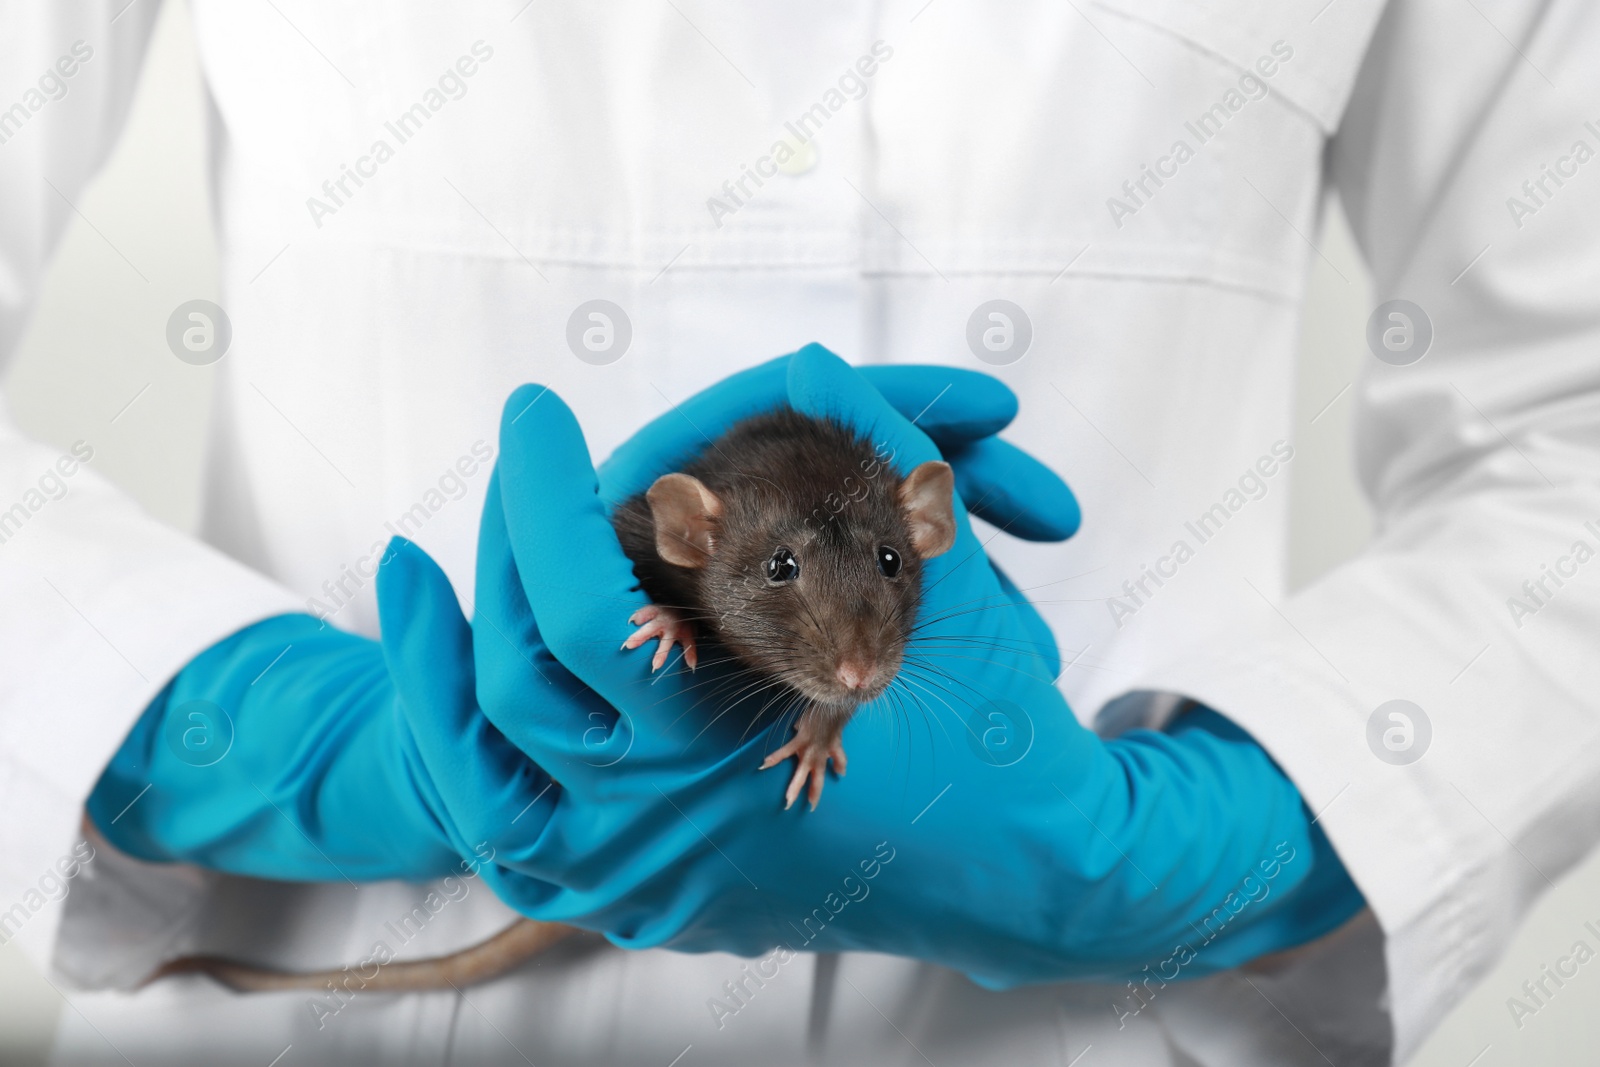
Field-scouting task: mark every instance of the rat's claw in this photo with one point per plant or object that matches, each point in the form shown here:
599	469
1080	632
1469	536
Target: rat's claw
775	758
654	620
812	758
811	772
801	773
836	753
818	776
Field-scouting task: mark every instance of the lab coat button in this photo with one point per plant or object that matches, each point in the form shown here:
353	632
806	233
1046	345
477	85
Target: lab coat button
803	159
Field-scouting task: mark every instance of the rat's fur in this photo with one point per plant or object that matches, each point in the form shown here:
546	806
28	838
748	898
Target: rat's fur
827	494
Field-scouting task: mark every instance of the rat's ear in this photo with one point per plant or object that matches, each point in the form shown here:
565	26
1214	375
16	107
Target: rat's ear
686	515
926	498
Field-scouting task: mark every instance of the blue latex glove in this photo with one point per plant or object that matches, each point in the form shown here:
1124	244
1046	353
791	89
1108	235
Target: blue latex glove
283	752
988	830
287	751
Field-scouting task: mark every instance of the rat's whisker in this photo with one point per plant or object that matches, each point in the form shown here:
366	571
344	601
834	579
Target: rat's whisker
791	697
981	599
1044	677
715	687
729	690
998	640
733	703
904	701
963	608
954	567
935	677
939	719
1029	650
766	708
759	685
934	620
933	717
926	680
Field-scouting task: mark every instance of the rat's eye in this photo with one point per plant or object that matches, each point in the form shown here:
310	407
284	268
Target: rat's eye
783	567
888	562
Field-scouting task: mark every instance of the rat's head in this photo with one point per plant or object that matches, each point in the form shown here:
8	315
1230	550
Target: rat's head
815	583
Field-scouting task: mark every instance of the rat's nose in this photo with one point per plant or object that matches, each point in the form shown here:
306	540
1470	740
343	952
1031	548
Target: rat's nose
854	674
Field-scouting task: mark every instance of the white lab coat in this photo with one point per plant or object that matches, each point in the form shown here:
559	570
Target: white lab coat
996	151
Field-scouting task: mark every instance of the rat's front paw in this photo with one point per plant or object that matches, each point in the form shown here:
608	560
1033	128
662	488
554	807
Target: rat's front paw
812	748
654	620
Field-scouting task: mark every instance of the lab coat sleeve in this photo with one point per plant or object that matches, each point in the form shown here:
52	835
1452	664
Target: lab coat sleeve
99	604
1478	598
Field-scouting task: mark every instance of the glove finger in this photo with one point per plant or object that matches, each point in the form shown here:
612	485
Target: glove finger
949	404
824	386
578	583
1040	639
1007	487
522	687
669	441
487	788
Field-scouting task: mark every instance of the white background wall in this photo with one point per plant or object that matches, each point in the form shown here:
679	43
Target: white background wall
97	341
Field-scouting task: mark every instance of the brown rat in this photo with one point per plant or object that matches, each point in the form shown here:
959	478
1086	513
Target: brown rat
793	542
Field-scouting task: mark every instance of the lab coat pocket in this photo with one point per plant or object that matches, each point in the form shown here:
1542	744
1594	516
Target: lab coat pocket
1305	53
1124	140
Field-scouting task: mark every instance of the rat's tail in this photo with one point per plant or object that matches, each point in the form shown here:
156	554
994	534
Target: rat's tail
505	951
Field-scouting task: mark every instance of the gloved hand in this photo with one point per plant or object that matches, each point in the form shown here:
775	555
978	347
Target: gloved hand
280	752
980	825
293	751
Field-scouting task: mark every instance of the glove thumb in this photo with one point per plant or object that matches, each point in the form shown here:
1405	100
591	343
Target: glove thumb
427	643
